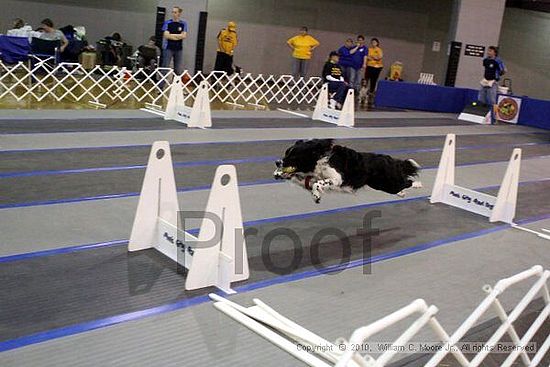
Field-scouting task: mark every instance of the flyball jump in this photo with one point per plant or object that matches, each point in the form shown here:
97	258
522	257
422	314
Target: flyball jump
218	256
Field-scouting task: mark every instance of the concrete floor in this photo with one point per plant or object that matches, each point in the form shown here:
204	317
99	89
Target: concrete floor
445	266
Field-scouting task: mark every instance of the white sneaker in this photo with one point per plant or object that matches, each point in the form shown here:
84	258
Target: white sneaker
332	104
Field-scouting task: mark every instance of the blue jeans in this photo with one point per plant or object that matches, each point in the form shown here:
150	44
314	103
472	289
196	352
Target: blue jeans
177	55
488	95
354	78
299	67
341	90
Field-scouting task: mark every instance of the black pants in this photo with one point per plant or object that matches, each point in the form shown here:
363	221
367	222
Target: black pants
224	62
372	76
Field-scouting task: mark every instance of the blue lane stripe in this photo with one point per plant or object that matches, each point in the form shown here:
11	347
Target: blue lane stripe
246	142
206	187
124	195
250	223
140	166
113	320
262	159
63	250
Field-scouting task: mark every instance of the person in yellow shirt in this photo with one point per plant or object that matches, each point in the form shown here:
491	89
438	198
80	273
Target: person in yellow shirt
302	46
374	64
227	41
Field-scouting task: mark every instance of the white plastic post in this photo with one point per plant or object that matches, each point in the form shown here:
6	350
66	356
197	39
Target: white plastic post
445	171
175	99
197	116
200	113
226	261
158	198
347	115
322	103
505	207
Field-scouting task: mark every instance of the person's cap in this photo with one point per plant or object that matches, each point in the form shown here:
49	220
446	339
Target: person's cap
232	25
333	53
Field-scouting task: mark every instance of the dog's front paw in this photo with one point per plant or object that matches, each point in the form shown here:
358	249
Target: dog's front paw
417	185
316	197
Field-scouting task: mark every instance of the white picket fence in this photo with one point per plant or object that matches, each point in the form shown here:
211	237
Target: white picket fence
72	83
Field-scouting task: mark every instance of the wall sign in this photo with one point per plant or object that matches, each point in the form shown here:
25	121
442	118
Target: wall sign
474	50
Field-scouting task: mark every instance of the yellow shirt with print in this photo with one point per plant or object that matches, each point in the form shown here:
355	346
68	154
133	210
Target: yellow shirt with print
375	52
302	46
227	41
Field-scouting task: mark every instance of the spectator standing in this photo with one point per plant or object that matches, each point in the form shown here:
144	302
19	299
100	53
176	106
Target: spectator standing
359	58
333	75
302	46
346	53
493	69
174	32
51	34
374	64
227	41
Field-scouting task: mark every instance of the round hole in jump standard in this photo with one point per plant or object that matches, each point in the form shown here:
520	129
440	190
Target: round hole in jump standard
160	153
225	179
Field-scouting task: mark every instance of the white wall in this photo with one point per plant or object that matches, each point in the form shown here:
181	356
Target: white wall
524	48
135	21
265	25
478	23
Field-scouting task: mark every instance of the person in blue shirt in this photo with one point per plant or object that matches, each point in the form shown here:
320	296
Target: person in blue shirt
493	69
174	32
346	58
352	60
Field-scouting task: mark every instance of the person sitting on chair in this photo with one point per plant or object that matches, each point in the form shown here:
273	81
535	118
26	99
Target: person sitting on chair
49	33
333	75
149	54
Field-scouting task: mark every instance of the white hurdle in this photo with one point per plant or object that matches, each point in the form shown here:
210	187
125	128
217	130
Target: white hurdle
345	117
500	208
197	116
224	260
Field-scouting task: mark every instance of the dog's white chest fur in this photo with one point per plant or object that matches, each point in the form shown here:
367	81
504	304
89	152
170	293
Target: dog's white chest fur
324	171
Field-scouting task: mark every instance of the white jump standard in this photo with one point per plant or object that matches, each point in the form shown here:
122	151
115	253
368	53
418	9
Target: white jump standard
218	256
344	117
501	208
197	116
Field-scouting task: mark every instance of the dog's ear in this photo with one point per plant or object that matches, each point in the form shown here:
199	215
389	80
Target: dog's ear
299	141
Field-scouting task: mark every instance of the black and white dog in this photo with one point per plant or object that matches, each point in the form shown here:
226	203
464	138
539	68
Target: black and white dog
319	165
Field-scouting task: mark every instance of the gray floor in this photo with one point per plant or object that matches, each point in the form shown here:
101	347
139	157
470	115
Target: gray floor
142	124
449	276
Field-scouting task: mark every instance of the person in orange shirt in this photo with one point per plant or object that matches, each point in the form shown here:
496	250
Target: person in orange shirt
302	46
227	41
374	64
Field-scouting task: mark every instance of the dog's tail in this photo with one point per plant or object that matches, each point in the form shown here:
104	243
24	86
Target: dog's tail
411	168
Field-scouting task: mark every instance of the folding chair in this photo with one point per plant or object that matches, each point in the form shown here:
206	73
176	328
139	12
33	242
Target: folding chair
14	49
44	53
